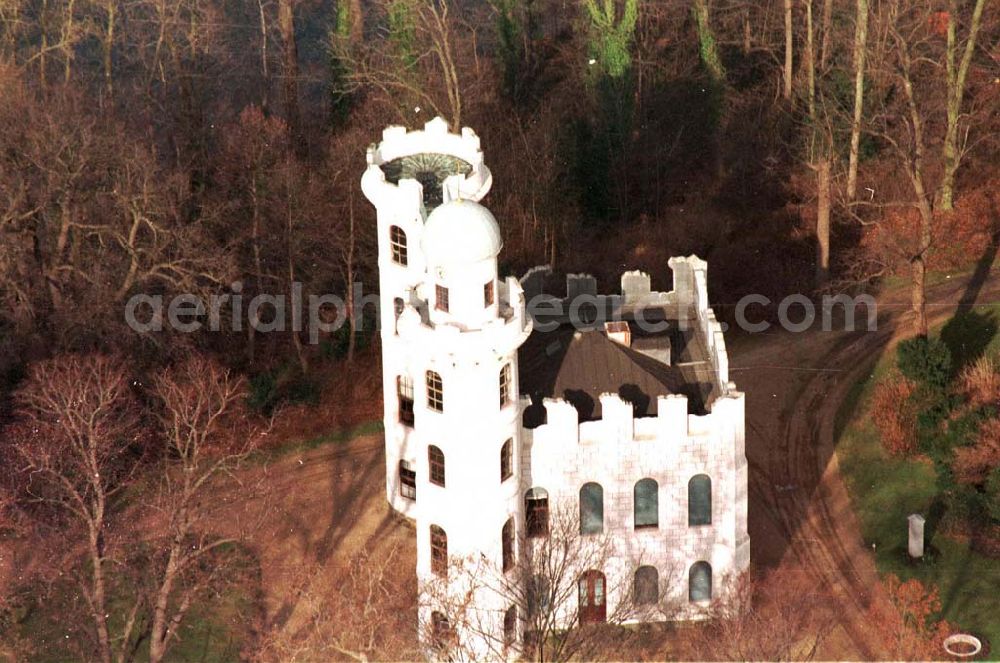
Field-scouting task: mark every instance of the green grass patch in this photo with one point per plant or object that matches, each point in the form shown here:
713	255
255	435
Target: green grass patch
886	490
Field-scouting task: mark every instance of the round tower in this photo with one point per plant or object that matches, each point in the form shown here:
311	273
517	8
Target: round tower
450	334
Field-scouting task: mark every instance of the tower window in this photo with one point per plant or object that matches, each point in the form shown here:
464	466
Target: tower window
506	460
504	385
646	503
510	626
397	306
441	298
404	394
435	461
397	245
507	545
442	634
435	392
536	512
700	500
591	508
488	294
646	590
439	551
407	480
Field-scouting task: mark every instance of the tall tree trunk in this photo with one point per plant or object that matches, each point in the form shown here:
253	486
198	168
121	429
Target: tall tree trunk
788	50
108	46
822	221
956	90
265	74
286	25
860	48
810	58
99	599
712	61
824	51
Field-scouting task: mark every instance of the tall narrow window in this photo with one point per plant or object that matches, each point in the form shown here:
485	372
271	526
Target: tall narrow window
439	551
442	635
397	244
441	298
507	545
404	394
646	503
435	392
504	385
510	626
506	460
591	508
398	306
593	607
700	500
488	294
700	582
435	462
407	480
536	512
647	586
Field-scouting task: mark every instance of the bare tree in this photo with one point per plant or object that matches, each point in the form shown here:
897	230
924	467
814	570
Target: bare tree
359	613
207	433
77	439
551	590
781	617
859	52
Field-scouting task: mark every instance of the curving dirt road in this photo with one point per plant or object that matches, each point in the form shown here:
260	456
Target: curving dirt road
800	514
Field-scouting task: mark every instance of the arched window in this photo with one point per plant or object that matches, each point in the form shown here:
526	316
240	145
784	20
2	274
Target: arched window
700	500
510	626
506	460
397	306
646	503
404	394
435	462
700	582
536	512
397	245
507	545
442	635
435	392
647	586
504	385
591	508
407	480
439	551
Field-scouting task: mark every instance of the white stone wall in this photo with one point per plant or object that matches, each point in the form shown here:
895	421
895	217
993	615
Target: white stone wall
468	352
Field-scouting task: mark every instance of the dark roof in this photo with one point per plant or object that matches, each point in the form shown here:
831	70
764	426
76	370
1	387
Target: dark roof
579	366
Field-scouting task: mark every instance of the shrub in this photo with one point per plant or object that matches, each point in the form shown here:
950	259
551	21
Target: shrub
993	494
895	415
974	463
980	382
925	361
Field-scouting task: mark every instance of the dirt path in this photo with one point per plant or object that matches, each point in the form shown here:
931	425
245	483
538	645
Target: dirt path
800	512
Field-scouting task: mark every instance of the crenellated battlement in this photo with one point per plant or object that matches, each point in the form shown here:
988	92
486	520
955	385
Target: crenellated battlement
427	145
618	426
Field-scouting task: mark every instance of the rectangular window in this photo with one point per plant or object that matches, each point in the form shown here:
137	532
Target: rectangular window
404	393
504	386
536	516
407	480
435	392
488	294
397	245
441	298
506	460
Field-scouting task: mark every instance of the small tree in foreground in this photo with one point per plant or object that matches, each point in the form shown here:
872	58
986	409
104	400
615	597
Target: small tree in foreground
560	596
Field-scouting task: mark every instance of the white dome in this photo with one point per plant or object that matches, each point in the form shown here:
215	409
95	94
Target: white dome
460	231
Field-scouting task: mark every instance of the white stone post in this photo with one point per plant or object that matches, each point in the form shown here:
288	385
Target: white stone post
916	546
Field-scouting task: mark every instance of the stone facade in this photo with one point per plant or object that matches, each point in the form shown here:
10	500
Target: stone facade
450	386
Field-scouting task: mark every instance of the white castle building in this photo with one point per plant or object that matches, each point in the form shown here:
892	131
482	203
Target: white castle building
615	409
